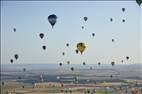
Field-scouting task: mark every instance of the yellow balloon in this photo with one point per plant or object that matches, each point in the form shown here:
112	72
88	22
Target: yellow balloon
81	47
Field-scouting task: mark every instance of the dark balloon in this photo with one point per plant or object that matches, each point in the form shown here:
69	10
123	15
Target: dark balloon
99	63
111	19
41	35
19	77
123	20
11	60
93	34
68	62
111	76
67	44
88	91
52	19
127	57
122	61
60	64
16	56
112	63
70	91
14	29
24	69
123	9
112	40
23	86
139	2
72	68
63	53
82	27
85	18
3	83
76	51
44	47
84	63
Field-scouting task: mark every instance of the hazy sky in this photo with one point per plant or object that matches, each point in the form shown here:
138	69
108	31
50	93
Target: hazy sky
30	19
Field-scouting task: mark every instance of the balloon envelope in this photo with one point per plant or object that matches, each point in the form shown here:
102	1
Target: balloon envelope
127	57
123	20
85	18
68	62
60	64
72	68
99	63
123	9
52	19
112	40
84	63
76	51
14	29
44	47
16	56
93	34
11	60
82	27
139	2
63	53
41	35
112	63
67	44
111	19
81	47
24	69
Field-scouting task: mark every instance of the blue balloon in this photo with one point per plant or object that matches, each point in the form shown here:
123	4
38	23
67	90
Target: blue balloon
52	19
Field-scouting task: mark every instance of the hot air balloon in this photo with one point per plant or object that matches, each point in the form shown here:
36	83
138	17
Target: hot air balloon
99	63
93	34
127	57
19	77
122	61
60	64
44	47
111	19
72	68
70	91
67	44
16	56
139	2
41	35
52	19
63	53
112	63
81	47
24	69
84	63
123	9
112	40
3	83
111	76
76	51
14	29
88	91
11	60
82	27
85	18
23	86
123	20
68	62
